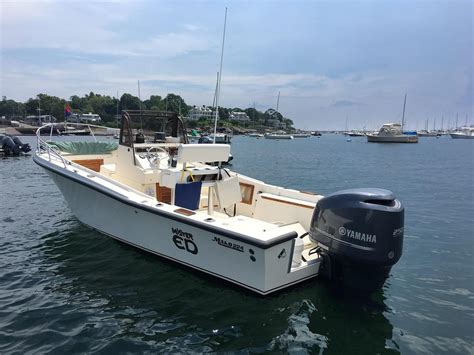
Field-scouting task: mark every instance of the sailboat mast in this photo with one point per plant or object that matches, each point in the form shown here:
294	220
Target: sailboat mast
219	78
403	116
278	100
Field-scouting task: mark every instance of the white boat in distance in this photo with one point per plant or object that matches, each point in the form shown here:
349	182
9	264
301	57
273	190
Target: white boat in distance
463	133
391	133
165	198
278	136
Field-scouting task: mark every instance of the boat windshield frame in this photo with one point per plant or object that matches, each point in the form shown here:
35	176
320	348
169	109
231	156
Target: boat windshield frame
150	121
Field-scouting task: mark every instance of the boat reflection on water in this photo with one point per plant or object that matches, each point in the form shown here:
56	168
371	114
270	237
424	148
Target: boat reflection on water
114	291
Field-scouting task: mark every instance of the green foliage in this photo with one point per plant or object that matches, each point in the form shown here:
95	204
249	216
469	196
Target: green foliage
224	113
176	104
10	108
129	102
106	107
154	103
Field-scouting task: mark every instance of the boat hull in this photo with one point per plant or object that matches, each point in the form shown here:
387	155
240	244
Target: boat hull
278	136
460	136
257	268
392	139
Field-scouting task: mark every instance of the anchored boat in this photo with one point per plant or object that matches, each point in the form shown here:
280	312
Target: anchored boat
463	133
392	133
169	198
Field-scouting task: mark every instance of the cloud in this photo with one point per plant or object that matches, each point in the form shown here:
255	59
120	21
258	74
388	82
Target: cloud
345	103
92	29
326	64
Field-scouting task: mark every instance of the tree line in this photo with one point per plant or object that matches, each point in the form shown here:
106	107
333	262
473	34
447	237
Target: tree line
107	107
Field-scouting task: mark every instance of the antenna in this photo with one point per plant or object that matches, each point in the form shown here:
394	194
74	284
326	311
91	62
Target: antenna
140	103
215	91
117	115
219	78
39	111
403	116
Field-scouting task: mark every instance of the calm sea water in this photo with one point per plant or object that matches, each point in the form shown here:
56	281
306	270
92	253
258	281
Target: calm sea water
66	288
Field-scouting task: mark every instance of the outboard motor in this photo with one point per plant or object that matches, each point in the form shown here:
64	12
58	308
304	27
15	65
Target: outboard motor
12	145
360	232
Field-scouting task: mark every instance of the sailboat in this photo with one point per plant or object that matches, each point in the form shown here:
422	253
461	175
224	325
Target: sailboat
393	132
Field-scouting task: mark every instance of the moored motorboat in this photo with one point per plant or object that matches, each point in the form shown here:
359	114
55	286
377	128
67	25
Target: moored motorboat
163	197
391	133
463	133
428	134
355	133
394	132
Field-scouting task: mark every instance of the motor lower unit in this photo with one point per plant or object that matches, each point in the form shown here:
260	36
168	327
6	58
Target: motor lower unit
360	232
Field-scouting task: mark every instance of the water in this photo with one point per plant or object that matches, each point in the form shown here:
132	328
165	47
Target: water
65	288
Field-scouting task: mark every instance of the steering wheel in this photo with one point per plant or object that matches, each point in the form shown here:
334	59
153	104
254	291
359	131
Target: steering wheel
153	158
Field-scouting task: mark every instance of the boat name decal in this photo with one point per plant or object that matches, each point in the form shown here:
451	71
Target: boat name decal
227	244
363	237
184	241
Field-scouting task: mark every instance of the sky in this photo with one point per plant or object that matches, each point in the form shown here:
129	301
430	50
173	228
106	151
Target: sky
332	61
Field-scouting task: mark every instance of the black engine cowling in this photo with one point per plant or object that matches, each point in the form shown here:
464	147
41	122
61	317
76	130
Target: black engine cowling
361	234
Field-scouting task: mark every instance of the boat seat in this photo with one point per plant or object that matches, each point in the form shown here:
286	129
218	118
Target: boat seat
189	153
107	168
271	208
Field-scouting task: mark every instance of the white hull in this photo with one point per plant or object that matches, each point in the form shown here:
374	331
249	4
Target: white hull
461	136
392	139
200	245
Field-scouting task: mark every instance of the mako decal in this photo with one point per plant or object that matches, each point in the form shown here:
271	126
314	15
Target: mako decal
227	244
184	241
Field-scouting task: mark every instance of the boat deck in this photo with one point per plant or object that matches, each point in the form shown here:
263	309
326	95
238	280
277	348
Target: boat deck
249	228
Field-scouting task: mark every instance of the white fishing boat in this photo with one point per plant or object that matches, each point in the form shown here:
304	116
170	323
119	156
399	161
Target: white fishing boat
393	132
463	133
165	198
